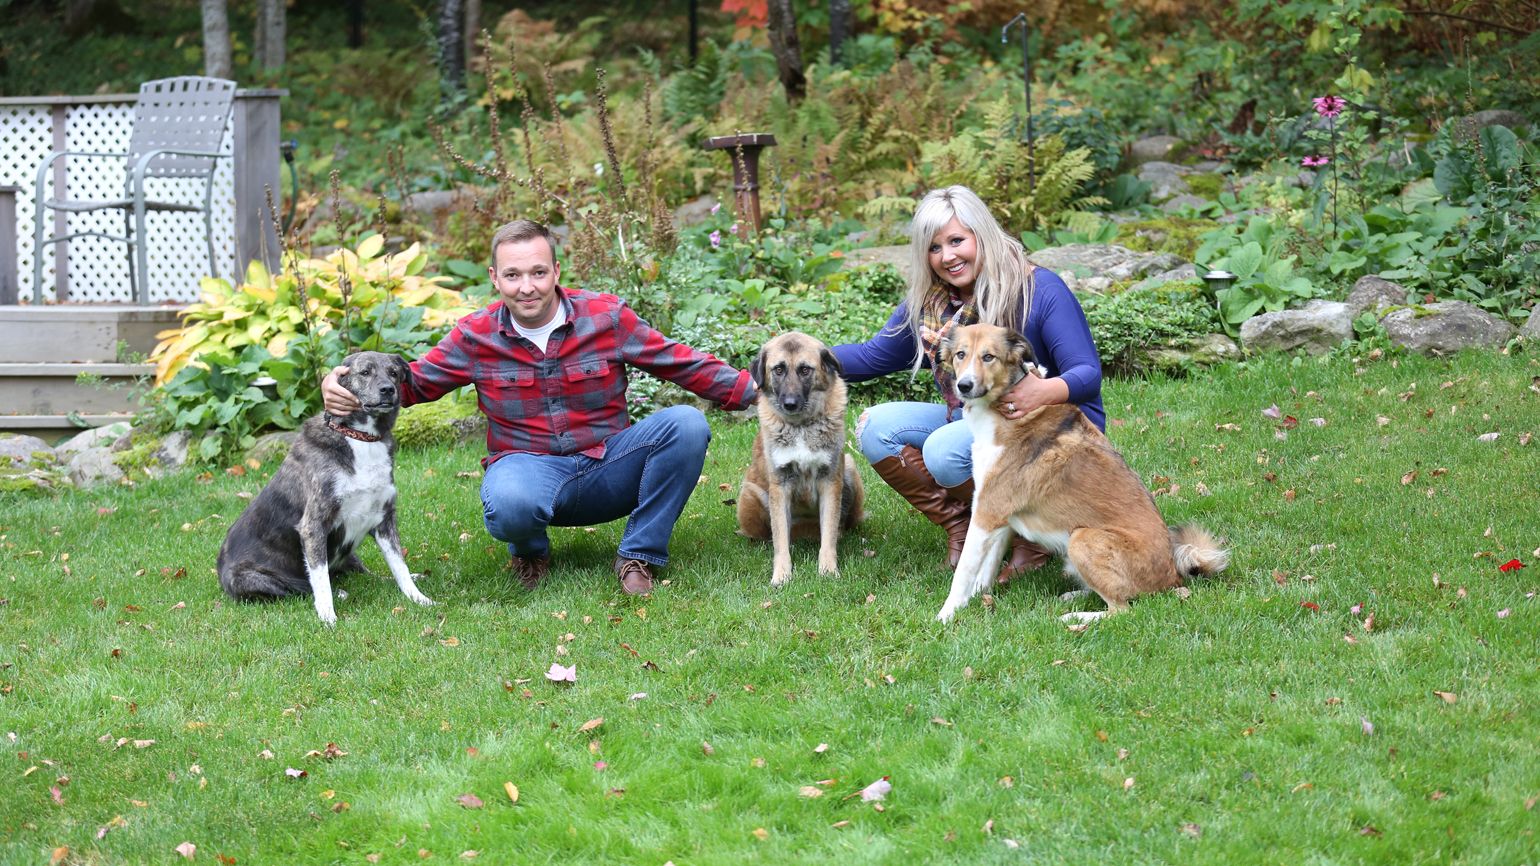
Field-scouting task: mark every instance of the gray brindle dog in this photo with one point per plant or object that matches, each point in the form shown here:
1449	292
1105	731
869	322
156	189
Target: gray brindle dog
336	485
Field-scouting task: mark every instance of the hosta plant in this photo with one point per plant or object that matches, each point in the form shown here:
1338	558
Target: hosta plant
341	291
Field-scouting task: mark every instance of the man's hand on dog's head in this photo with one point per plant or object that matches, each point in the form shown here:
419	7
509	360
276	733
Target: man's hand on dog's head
337	399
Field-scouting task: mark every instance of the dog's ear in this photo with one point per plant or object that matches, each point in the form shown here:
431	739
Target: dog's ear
831	363
946	347
399	371
1021	350
757	369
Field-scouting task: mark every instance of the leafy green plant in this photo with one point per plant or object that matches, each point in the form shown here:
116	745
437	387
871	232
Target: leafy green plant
272	311
994	163
1128	325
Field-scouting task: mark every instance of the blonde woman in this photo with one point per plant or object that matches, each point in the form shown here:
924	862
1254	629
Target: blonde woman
965	268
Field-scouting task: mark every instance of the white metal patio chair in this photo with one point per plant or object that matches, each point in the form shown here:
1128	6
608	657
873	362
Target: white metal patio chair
179	124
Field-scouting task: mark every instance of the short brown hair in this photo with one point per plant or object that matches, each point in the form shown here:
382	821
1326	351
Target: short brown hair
519	231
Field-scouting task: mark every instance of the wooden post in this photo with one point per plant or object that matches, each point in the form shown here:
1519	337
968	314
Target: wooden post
8	276
255	153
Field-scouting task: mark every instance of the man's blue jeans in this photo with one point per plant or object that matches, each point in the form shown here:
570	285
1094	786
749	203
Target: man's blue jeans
648	472
946	446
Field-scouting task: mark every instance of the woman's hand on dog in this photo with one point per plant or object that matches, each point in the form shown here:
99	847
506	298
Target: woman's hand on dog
337	399
1032	392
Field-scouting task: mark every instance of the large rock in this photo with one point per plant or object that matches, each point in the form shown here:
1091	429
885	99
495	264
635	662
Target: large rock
1531	330
897	256
1093	267
1165	180
272	446
1185	200
94	466
1202	352
1446	327
1317	328
1373	293
695	211
1155	148
17	450
95	437
1187	271
1471	124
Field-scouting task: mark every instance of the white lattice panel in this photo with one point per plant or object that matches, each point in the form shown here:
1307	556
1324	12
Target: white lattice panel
98	269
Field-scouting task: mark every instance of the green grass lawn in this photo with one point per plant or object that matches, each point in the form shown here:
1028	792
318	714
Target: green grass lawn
1232	726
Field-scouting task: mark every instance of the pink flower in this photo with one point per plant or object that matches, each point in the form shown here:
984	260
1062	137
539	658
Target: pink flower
716	207
733	228
716	239
1314	161
1329	106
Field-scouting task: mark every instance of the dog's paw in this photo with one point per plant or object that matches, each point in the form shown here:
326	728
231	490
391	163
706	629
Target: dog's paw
1082	617
328	618
422	600
779	580
1074	594
946	614
829	567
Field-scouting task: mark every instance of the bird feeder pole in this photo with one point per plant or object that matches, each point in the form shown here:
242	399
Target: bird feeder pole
1026	76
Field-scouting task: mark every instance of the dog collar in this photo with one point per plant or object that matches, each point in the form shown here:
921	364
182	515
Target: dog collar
353	434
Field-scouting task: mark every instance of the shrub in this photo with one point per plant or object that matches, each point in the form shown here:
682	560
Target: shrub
1127	326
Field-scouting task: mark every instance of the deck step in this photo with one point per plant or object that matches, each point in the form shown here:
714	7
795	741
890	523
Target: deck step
58	389
80	333
54	429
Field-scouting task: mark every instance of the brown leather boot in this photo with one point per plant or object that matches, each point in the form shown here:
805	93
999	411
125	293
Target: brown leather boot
906	473
1025	557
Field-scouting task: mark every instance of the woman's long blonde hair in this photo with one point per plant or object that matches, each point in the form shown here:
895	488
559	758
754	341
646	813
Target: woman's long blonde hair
1004	282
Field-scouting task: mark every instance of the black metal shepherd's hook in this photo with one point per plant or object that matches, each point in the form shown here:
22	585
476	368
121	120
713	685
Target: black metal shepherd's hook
1026	74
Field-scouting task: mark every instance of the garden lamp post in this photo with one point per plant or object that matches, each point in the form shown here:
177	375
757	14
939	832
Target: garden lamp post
1216	282
1026	76
744	149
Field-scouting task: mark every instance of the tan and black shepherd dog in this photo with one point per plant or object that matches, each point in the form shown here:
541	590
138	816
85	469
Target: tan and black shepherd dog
1053	477
801	480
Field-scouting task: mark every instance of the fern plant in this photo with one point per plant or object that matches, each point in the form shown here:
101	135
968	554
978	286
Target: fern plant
992	162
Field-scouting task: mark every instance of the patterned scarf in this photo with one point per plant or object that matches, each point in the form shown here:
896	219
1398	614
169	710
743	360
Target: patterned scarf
934	318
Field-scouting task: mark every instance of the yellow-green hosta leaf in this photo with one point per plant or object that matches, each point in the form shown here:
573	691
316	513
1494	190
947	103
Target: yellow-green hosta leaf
215	290
258	327
233	314
371	246
418	262
278	346
257	275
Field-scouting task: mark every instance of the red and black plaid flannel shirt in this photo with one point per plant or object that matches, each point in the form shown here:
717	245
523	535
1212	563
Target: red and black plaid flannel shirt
572	397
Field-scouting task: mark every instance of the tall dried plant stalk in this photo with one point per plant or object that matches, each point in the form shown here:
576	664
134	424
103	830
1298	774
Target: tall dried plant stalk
344	279
607	132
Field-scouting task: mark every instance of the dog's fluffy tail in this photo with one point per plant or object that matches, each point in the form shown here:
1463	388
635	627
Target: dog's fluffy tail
1196	551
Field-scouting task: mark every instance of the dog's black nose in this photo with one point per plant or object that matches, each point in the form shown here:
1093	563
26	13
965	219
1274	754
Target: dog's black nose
791	403
965	387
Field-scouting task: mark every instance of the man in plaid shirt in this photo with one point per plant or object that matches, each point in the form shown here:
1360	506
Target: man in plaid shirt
549	366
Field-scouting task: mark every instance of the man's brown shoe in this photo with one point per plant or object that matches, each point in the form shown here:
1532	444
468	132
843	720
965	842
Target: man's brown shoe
635	575
531	570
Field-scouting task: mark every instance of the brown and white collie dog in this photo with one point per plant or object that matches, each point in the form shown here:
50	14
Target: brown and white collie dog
1053	477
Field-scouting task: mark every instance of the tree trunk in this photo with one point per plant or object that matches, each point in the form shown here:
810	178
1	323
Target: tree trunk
272	29
839	30
355	23
216	39
472	28
787	48
451	48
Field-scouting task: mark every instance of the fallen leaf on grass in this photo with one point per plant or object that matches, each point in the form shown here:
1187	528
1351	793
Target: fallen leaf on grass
840	824
601	766
295	774
761	833
1370	830
706	748
1449	697
1488	437
1503	614
639	696
1192	830
1128	783
450	641
1367	726
940	721
56	794
820	748
469	801
559	674
187	849
265	754
331	752
1310	606
512	790
1511	565
810	791
590	725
